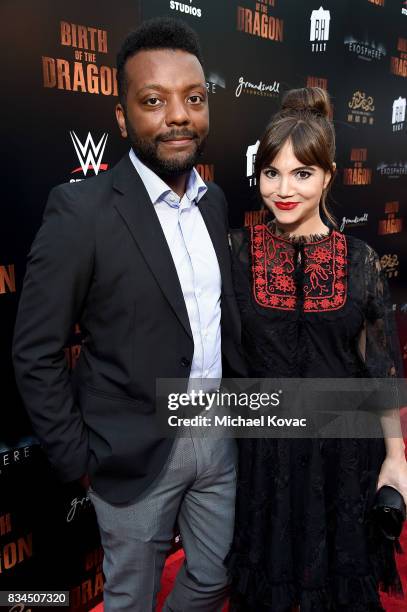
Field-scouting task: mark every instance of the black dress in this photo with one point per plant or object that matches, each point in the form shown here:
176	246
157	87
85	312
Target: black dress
301	535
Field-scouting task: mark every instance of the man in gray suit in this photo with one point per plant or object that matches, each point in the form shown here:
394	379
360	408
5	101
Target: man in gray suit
149	280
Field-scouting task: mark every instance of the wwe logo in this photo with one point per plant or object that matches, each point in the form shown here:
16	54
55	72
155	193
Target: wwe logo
89	154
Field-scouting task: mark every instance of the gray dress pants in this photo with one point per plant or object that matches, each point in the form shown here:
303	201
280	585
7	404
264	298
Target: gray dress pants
197	490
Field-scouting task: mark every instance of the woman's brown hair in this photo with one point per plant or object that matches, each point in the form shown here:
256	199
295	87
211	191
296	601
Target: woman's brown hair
304	119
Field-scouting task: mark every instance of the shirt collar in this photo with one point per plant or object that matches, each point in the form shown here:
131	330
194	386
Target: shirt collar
157	189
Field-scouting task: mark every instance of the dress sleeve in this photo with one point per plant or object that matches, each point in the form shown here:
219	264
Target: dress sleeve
382	346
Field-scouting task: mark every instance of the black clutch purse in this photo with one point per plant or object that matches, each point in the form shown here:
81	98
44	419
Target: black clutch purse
389	512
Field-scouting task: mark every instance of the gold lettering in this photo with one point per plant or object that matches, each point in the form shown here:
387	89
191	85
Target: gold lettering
66	34
92	32
73	35
7	279
248	21
78	77
92	76
82	37
64	79
92	80
207	171
49	74
15	552
106	85
98	584
391	207
317	82
398	66
102	41
9	555
402	45
25	547
256	25
279	36
390	226
114	73
87	593
240	18
357	176
254	217
75	598
5	524
358	155
93	559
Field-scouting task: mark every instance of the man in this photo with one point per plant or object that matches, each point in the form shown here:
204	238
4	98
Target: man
139	257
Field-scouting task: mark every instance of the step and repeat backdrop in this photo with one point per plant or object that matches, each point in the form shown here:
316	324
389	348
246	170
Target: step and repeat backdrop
58	95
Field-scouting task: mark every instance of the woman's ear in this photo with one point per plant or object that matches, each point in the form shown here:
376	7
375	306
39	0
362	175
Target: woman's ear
329	175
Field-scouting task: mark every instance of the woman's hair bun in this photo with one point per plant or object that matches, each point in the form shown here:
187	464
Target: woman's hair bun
312	99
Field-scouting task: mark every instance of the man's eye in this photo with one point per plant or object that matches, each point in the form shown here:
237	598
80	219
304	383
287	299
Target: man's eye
195	99
152	101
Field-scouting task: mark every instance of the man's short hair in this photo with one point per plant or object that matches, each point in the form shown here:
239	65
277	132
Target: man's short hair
158	33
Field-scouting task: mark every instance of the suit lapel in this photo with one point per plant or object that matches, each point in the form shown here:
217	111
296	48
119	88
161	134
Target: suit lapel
212	215
137	211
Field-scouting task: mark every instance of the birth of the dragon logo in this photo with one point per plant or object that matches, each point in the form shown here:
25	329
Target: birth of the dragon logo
89	153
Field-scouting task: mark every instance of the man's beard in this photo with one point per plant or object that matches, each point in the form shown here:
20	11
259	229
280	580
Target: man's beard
147	152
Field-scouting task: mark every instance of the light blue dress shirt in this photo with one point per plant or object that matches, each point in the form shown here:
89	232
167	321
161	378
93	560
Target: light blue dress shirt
195	261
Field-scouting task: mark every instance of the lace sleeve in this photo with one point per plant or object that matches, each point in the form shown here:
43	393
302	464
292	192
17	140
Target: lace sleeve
380	342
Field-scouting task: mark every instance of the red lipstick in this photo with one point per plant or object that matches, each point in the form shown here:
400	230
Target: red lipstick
286	205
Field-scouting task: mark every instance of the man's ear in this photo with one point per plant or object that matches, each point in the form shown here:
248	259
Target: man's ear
121	120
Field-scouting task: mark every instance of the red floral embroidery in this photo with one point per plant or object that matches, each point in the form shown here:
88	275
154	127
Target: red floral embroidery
325	304
325	282
278	270
284	283
322	255
316	274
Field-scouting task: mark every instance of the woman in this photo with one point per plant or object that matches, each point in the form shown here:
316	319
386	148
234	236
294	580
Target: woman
313	304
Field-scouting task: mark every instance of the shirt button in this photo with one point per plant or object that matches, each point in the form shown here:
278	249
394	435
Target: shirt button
185	362
206	373
172	198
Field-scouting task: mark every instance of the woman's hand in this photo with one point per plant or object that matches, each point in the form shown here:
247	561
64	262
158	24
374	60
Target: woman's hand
394	474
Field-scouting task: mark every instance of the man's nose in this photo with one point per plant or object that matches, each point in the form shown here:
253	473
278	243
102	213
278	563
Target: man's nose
177	112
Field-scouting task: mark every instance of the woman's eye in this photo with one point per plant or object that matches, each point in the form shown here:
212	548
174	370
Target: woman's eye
303	174
270	173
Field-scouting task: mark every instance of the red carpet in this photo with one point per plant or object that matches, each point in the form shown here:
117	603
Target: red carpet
171	568
173	563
